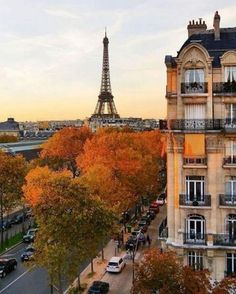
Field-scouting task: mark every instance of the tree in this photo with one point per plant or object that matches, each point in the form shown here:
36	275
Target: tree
13	170
69	219
226	286
159	271
61	150
132	163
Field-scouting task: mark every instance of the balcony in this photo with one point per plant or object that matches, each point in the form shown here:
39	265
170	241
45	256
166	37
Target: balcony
191	124
230	160
194	88
224	240
195	238
195	161
227	200
195	201
228	88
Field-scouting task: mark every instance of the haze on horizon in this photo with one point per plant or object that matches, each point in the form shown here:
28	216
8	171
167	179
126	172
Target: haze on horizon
51	53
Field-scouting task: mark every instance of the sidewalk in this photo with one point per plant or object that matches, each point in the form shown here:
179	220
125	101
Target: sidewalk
99	265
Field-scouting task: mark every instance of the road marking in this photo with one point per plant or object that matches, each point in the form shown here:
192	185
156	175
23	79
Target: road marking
14	281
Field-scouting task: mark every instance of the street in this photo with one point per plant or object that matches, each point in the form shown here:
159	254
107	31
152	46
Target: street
121	283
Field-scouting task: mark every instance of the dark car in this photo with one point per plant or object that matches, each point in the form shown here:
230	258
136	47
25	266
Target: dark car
17	219
131	242
151	214
27	254
6	266
30	236
5	225
99	287
147	219
143	226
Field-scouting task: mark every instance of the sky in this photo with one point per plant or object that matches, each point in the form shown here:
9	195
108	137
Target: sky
51	53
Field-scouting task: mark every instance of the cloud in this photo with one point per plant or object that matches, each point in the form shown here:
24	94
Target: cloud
61	13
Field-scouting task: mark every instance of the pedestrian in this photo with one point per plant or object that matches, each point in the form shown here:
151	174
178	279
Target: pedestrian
149	240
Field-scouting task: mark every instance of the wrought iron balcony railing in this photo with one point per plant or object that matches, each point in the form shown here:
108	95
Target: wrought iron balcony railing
227	200
194	88
229	160
230	273
196	201
224	88
195	238
195	160
224	240
191	124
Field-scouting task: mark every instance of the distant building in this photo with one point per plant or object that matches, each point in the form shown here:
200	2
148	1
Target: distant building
136	124
201	152
10	128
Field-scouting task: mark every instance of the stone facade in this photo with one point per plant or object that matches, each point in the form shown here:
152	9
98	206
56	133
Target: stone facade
201	177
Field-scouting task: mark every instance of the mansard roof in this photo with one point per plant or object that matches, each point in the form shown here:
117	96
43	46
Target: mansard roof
215	48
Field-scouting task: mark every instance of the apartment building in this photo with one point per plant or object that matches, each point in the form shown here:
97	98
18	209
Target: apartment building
201	152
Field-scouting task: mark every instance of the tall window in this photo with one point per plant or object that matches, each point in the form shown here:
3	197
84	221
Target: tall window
231	263
195	225
230	113
193	81
231	226
230	73
195	188
230	152
194	76
230	190
195	260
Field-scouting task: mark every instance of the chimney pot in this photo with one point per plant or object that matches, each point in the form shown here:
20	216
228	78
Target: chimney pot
216	25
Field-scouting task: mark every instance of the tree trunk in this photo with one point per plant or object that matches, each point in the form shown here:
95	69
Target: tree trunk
92	269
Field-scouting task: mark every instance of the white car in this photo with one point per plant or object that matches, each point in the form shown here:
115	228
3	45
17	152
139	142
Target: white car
115	265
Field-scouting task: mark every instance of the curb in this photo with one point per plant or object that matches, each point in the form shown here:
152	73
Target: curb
12	247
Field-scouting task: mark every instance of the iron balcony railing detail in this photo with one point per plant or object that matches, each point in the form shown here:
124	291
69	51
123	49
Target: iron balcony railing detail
194	88
191	124
231	160
224	88
195	160
193	200
224	240
227	200
195	238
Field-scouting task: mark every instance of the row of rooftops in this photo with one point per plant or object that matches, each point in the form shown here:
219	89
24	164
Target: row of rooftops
216	41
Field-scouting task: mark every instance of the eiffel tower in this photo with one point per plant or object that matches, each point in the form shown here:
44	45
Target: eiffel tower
105	98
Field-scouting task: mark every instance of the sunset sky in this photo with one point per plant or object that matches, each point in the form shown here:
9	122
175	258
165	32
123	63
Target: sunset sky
51	53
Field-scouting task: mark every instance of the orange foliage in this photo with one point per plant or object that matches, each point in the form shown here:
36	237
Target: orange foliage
66	145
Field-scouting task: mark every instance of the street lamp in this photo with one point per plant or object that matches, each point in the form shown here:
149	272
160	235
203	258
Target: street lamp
132	249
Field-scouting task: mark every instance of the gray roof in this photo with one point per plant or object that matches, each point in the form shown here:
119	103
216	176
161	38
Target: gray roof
215	48
9	125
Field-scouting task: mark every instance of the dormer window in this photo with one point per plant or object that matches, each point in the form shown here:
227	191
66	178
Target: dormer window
193	81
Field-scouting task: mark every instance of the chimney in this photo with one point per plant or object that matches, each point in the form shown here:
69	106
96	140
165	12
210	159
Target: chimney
196	27
216	25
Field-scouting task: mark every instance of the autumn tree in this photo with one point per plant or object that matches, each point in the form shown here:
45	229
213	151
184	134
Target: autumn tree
72	224
158	271
62	149
12	171
227	285
131	162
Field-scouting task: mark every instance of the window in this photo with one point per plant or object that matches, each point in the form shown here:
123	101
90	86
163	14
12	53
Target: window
230	73
230	152
230	190
231	263
195	188
230	112
194	76
195	225
231	226
195	260
194	111
193	81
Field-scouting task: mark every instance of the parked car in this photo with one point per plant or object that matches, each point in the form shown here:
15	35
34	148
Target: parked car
6	266
146	218
99	287
30	236
151	214
143	226
154	207
5	224
132	240
137	233
28	253
17	219
115	265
